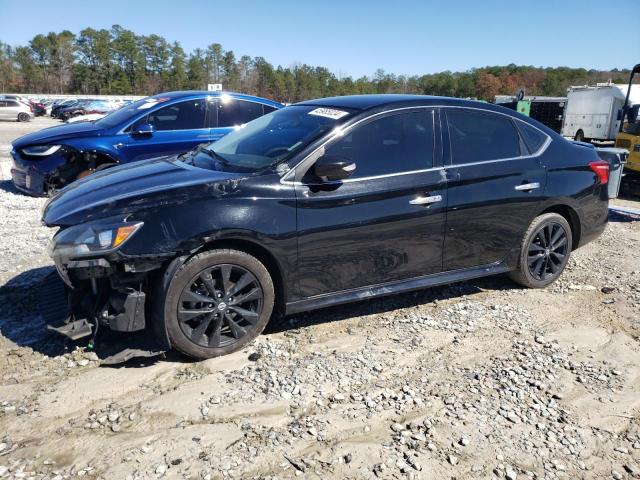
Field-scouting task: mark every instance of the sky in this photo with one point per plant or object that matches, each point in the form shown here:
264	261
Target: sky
357	37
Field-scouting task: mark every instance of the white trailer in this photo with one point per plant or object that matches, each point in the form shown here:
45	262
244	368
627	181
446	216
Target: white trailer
592	113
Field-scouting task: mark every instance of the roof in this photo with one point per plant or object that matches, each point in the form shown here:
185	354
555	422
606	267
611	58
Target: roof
199	93
366	102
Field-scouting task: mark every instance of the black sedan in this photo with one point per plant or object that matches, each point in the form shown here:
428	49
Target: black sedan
324	202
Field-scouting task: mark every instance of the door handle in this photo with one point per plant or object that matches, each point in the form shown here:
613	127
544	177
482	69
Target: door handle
525	187
426	200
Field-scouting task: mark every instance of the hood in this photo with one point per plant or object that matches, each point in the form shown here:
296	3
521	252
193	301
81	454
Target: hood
57	134
134	187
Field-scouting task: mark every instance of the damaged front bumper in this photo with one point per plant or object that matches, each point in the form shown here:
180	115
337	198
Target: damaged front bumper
102	292
33	177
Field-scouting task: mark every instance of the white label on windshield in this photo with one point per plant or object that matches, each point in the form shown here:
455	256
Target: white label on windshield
329	113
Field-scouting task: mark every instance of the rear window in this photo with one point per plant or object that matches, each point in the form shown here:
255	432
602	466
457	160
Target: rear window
481	136
533	137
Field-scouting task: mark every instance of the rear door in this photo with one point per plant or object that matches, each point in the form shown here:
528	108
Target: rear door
178	128
495	185
385	222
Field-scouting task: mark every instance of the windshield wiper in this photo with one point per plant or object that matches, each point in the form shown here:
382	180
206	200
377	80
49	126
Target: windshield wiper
189	155
215	155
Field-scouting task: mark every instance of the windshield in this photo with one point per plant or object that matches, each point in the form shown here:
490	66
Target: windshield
274	137
125	113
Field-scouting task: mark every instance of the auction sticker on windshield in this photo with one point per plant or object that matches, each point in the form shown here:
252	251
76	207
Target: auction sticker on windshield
329	113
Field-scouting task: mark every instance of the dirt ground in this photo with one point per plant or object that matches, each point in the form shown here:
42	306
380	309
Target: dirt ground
474	380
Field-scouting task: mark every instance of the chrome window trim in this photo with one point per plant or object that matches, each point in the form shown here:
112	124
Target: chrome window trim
339	132
372	177
537	153
292	172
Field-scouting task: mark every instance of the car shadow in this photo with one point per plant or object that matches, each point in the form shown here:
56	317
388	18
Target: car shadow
9	187
623	214
25	325
382	305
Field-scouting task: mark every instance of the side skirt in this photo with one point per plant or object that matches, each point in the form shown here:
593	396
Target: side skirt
392	288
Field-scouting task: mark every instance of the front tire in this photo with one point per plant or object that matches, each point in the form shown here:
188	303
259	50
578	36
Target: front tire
216	303
544	252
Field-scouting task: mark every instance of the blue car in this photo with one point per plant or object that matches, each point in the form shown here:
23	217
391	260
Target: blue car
165	124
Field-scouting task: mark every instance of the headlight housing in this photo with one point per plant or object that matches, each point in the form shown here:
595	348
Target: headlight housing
41	150
93	238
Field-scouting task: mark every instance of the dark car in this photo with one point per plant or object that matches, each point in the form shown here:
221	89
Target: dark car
58	105
164	124
77	108
321	203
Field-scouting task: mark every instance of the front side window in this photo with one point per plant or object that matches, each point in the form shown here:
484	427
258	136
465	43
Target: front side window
234	113
187	115
396	143
480	136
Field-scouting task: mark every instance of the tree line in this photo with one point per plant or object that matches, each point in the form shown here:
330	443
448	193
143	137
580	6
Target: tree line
117	61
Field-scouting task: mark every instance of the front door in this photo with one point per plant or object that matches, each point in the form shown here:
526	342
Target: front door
496	183
385	222
178	128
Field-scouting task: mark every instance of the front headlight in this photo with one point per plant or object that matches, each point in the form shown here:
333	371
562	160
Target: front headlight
41	150
92	238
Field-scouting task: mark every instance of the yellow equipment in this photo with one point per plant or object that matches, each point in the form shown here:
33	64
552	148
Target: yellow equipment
628	136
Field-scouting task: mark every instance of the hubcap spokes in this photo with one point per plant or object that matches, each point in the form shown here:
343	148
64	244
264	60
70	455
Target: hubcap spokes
547	251
220	305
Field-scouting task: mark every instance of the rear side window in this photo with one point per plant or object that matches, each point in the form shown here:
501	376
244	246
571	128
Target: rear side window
478	136
12	103
232	112
187	115
533	137
393	144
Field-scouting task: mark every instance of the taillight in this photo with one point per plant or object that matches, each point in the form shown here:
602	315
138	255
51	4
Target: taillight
601	169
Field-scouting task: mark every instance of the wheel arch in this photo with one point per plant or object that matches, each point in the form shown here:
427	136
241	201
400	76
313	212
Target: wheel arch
571	216
264	255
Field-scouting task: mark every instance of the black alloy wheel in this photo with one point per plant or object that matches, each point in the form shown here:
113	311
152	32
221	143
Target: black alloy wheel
220	305
547	251
544	251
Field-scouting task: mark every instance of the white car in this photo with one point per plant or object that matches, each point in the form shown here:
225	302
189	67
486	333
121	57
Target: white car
91	117
15	110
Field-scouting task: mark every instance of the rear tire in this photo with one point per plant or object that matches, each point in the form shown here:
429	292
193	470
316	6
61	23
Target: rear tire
544	251
216	303
579	137
23	117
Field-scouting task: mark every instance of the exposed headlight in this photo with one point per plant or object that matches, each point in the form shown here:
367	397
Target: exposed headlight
41	150
92	238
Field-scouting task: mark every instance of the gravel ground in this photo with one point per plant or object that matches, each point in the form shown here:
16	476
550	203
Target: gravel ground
474	380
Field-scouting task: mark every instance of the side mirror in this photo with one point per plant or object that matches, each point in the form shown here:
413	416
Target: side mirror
331	167
143	130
